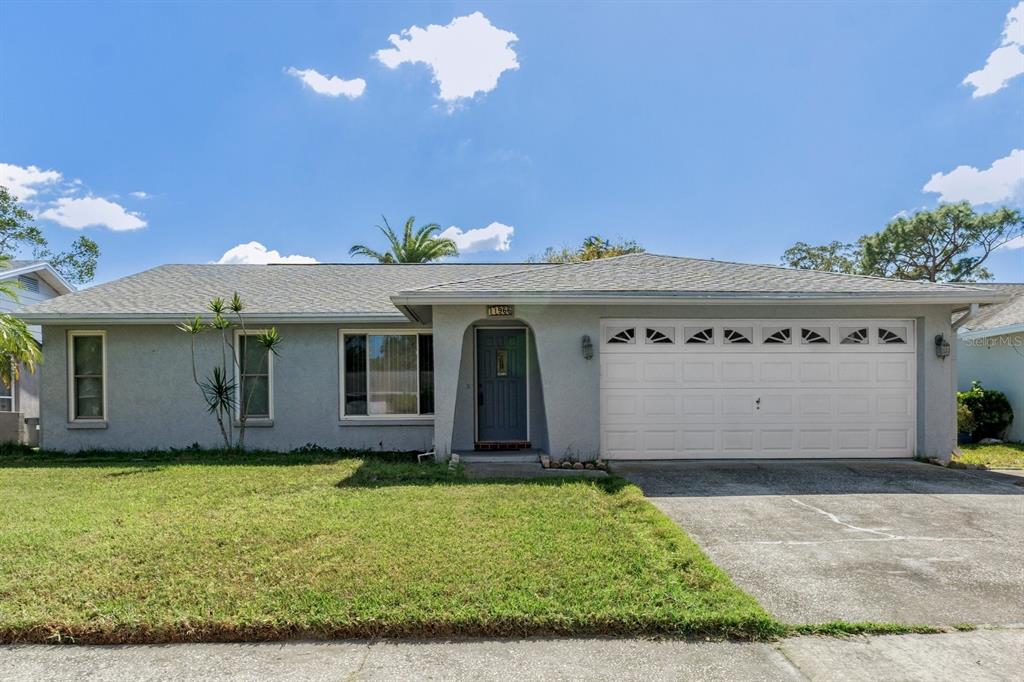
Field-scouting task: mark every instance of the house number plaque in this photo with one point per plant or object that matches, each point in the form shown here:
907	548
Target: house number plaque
500	311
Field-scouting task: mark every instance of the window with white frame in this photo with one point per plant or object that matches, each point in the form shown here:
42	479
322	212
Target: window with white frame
387	374
255	371
7	396
87	376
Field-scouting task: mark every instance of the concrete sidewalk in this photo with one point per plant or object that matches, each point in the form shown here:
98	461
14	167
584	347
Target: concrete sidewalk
977	656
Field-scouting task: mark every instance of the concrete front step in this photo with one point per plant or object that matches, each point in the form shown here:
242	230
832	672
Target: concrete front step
500	457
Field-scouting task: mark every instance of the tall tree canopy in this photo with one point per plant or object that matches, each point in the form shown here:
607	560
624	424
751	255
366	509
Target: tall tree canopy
593	248
416	245
947	244
18	234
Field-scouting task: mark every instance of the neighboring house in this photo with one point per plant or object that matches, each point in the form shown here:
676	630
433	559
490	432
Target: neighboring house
639	356
990	349
38	281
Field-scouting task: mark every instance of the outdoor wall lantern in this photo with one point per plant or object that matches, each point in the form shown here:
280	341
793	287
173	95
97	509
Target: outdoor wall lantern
941	346
588	348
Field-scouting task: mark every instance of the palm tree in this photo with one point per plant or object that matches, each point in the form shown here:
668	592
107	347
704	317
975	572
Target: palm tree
419	246
17	346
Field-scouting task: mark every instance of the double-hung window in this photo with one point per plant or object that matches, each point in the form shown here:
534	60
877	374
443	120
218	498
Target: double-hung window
255	383
87	376
7	395
387	374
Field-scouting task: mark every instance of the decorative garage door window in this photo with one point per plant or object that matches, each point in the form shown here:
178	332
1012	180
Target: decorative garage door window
700	334
814	335
892	334
622	335
853	335
737	334
777	335
660	334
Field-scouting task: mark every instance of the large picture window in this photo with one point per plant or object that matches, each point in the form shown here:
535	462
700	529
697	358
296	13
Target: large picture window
387	374
255	385
87	376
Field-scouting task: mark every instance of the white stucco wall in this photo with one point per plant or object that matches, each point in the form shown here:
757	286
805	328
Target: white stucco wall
997	362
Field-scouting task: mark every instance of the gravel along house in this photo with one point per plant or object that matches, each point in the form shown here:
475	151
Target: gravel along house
634	357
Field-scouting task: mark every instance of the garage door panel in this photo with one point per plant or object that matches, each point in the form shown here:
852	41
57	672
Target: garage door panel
698	371
698	441
804	398
660	406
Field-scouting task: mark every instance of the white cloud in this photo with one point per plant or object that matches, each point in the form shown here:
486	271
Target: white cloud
466	57
494	237
332	86
89	211
1015	243
1002	181
23	183
254	253
139	195
1006	61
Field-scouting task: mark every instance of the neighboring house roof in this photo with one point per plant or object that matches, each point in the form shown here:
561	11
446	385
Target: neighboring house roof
371	292
999	318
14	268
654	277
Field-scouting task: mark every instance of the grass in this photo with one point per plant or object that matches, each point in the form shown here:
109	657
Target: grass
208	546
842	628
997	456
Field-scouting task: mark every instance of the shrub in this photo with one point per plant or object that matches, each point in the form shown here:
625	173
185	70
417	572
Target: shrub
964	419
989	409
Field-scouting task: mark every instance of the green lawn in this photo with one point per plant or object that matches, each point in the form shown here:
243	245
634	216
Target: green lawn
1001	456
207	546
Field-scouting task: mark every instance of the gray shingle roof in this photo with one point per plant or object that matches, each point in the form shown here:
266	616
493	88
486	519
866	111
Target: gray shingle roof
999	315
178	291
654	274
328	291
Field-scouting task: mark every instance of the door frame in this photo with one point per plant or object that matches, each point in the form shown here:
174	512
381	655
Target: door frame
476	376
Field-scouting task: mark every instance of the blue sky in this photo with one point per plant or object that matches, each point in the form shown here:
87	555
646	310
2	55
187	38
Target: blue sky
700	129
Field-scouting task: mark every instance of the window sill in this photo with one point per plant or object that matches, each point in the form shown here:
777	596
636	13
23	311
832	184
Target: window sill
254	423
426	420
98	424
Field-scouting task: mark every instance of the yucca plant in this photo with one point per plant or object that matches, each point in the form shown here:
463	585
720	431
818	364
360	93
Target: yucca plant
416	245
219	388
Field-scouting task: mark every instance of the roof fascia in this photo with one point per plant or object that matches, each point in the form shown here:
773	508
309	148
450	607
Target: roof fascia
52	277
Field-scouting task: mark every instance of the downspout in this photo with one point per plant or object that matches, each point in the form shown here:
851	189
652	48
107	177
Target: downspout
971	312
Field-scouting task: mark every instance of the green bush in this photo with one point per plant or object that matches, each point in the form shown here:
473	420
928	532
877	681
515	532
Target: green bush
964	418
988	409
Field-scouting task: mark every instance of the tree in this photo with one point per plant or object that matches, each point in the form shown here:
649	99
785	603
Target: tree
220	388
18	348
417	245
18	233
947	244
593	248
831	257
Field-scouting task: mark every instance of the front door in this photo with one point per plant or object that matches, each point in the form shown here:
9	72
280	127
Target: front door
501	385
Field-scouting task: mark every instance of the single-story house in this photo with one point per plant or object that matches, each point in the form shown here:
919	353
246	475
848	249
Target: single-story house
990	349
638	356
37	281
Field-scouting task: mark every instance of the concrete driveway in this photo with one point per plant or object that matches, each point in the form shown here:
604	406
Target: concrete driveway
882	540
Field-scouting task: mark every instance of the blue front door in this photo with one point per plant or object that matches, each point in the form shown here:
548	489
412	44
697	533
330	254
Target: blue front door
501	385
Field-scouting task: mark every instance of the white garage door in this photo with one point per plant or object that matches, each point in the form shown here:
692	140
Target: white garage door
757	388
